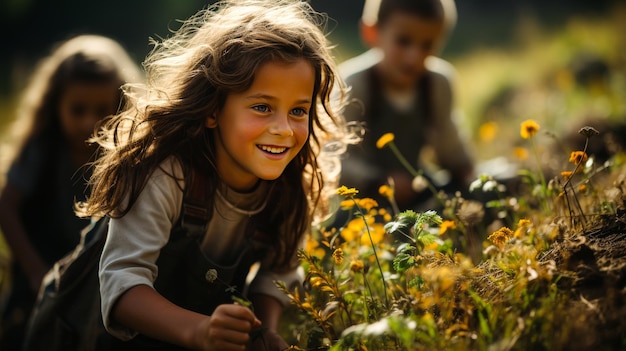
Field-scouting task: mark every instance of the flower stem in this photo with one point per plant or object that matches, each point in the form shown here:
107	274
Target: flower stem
369	235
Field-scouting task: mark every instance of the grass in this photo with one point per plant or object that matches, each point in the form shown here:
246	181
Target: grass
504	269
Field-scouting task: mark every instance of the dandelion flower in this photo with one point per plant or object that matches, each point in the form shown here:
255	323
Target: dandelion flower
445	226
419	184
386	191
529	128
500	236
384	140
357	266
211	275
345	191
471	212
367	203
578	157
346	204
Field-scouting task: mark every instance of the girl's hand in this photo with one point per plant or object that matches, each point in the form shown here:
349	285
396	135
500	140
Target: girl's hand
227	329
268	340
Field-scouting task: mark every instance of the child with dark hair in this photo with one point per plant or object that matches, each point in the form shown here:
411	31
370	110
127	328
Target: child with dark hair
240	97
68	94
399	86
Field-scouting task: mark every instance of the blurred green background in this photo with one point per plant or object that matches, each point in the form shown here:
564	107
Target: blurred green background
501	48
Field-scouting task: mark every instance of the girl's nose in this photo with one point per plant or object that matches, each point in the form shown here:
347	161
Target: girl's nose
281	126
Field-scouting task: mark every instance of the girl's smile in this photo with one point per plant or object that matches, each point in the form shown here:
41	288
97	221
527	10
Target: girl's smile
259	131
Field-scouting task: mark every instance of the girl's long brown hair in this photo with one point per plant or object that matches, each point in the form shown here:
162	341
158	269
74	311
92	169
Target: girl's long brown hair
189	75
82	58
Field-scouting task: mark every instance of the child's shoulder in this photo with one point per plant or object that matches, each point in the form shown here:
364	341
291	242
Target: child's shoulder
440	68
354	67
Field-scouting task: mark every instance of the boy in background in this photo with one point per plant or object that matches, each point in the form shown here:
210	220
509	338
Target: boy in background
399	86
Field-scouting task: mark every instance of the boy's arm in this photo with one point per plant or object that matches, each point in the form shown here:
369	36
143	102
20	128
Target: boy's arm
451	145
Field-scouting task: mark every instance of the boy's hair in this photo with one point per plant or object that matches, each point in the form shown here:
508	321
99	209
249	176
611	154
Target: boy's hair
84	58
377	12
189	76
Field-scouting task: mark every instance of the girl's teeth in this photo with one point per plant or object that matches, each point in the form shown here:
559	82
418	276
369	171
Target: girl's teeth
273	150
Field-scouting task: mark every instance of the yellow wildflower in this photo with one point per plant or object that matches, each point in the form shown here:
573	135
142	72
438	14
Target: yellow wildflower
377	230
386	191
384	140
356	230
313	248
500	236
445	226
578	157
353	230
338	256
521	153
367	203
566	174
487	131
582	187
521	227
529	128
345	191
357	266
346	204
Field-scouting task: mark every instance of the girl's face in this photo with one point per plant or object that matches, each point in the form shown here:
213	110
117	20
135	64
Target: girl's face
259	131
82	105
406	41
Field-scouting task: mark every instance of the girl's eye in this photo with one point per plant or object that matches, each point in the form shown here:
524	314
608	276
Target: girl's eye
299	111
261	108
78	110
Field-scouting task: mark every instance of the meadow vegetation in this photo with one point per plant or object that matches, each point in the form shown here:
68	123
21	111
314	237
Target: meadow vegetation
534	259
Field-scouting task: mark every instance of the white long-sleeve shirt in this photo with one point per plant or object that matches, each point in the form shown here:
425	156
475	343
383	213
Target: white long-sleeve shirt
134	241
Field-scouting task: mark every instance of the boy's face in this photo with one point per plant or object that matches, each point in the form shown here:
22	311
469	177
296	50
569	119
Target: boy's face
406	41
259	131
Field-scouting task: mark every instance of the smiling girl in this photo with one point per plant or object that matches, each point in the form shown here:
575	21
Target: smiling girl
239	96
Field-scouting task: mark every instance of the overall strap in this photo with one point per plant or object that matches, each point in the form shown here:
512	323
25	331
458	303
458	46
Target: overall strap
424	88
196	211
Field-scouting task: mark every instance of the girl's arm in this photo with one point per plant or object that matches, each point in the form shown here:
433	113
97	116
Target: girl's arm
269	310
21	248
144	310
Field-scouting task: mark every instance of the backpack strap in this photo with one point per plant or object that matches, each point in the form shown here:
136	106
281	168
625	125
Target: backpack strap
196	211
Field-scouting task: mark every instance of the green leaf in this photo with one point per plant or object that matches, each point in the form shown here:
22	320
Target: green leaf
402	262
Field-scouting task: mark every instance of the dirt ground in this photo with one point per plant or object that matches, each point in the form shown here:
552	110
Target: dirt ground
596	259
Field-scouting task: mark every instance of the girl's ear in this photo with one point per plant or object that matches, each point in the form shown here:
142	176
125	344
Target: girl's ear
211	121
